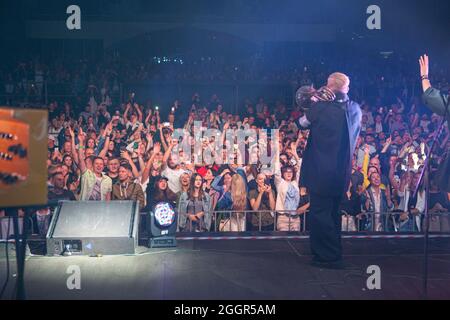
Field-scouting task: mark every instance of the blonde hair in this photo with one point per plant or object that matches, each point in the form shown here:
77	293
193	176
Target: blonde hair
338	82
238	193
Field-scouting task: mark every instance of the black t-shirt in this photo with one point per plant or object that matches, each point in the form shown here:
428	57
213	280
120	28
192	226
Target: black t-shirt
266	217
149	191
385	181
102	120
351	206
393	150
248	114
357	179
304	200
114	180
64	195
439	197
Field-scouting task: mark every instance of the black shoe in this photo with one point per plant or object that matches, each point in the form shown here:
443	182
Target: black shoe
335	265
350	267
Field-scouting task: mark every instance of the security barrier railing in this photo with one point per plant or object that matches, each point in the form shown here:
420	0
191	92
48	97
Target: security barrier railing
275	221
293	221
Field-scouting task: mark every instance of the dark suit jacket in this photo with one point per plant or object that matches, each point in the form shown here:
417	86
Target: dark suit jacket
334	129
433	99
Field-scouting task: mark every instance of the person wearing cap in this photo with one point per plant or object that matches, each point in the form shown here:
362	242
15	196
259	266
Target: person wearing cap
326	168
126	189
161	193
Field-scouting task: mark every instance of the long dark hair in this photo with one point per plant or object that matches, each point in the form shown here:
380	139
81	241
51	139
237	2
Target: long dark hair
192	187
254	170
163	195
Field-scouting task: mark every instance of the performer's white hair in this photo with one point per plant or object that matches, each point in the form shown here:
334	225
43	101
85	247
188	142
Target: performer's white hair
338	82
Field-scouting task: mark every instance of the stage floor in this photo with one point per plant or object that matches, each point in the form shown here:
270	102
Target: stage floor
241	269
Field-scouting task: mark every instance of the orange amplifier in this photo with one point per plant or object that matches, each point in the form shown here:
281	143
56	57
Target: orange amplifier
14	142
23	153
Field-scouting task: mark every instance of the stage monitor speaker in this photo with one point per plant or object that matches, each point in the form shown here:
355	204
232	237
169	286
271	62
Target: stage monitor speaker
94	228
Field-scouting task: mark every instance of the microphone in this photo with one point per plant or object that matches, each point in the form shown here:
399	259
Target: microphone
304	95
307	95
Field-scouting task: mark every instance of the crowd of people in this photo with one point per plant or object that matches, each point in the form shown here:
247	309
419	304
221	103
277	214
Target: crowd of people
33	77
106	154
103	151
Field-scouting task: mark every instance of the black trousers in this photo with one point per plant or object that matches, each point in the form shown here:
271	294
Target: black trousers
325	228
443	174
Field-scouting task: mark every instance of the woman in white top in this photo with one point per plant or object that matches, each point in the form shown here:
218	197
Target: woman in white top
288	193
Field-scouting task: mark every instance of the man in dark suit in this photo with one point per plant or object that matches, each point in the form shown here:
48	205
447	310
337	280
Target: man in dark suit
438	102
326	169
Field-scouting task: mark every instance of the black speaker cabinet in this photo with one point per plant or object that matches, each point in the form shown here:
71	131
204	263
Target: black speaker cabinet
93	228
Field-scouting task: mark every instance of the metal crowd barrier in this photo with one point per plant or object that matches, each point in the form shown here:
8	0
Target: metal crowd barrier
240	221
393	222
281	221
291	220
7	228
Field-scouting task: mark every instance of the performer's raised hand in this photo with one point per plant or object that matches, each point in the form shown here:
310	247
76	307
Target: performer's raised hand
424	65
424	69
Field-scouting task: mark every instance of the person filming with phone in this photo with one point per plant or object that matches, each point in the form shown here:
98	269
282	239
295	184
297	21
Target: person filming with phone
262	199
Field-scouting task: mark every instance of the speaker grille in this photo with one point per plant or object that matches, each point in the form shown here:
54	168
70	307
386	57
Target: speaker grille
79	219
